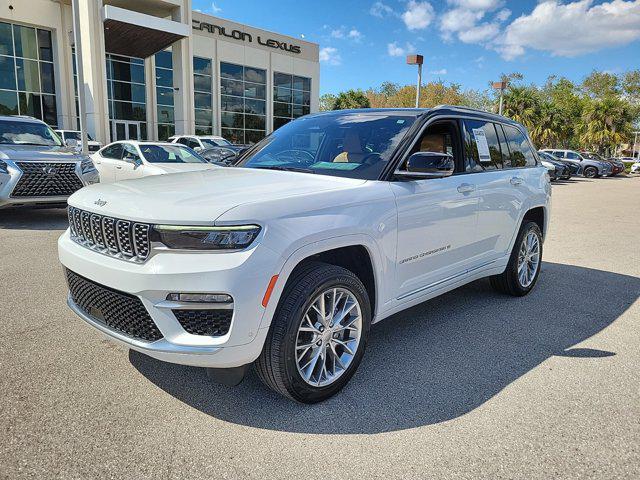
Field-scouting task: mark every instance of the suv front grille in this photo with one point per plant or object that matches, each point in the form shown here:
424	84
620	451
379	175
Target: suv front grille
117	310
215	322
110	236
46	179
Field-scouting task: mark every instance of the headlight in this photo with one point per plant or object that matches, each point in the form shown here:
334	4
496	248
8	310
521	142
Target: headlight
4	168
206	238
87	165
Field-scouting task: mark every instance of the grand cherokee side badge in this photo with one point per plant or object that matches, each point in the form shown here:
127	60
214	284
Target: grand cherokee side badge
100	202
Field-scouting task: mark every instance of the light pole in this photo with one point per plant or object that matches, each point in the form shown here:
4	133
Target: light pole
82	105
417	60
500	86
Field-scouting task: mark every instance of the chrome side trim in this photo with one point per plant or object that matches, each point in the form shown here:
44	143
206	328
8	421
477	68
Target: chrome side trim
444	280
193	305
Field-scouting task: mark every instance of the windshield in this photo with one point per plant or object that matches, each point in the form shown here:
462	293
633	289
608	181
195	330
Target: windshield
75	135
592	156
27	133
217	142
170	154
355	145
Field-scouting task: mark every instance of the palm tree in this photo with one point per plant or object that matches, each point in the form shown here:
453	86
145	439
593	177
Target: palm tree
546	131
521	104
604	124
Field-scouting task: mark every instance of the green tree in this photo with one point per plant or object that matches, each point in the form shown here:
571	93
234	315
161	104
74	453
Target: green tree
327	101
605	124
351	99
601	85
547	128
521	104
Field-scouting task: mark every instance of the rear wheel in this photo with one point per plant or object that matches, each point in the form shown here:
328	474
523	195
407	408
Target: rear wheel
523	268
318	334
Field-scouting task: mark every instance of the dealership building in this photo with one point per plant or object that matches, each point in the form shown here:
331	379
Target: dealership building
148	69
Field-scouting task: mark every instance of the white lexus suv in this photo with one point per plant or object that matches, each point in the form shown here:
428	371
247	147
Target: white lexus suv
332	223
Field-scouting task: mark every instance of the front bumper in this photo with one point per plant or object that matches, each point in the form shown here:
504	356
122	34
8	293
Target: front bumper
8	182
244	275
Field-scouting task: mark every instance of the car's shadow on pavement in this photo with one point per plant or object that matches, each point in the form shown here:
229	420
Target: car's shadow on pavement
432	363
34	219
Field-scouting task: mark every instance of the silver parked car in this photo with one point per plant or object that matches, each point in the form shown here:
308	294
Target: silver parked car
36	169
591	168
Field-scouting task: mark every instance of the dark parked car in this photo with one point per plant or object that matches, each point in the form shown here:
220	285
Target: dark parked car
562	170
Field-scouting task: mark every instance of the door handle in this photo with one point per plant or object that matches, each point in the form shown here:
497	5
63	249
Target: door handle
466	188
119	168
516	181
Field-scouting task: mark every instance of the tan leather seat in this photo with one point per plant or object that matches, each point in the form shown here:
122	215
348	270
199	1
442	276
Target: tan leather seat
352	149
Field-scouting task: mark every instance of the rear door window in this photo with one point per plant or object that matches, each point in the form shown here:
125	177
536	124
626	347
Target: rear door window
482	147
520	151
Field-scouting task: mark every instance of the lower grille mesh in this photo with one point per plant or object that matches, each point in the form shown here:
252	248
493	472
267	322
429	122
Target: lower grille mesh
117	310
214	323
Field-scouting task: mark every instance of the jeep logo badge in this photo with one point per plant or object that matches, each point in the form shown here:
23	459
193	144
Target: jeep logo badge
50	171
100	202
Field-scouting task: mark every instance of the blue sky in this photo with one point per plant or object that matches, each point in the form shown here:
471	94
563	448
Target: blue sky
469	42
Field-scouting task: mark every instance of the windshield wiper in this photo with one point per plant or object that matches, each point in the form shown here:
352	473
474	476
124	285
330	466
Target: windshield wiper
285	169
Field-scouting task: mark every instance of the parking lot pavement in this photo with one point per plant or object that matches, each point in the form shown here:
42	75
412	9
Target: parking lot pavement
470	385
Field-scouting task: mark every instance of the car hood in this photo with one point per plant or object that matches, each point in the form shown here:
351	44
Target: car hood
26	153
199	198
181	167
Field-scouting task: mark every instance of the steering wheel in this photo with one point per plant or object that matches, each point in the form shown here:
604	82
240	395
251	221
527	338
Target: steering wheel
297	156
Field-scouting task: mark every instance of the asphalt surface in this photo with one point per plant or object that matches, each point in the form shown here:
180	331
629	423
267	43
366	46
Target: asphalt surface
470	385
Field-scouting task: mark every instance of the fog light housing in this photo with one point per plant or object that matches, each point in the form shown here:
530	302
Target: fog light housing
200	297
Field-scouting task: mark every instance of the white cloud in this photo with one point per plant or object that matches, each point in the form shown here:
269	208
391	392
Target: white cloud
215	8
442	71
480	33
342	32
571	29
330	56
485	5
418	15
395	50
354	35
503	14
462	20
380	10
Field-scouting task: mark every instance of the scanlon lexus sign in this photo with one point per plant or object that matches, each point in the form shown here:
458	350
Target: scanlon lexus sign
245	37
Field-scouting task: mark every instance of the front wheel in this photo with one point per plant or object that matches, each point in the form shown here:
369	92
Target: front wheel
525	261
591	172
318	334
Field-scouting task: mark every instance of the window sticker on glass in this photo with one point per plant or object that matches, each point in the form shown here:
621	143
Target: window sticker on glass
483	146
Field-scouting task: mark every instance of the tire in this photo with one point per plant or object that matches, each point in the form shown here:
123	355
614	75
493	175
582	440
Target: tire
591	172
509	281
278	365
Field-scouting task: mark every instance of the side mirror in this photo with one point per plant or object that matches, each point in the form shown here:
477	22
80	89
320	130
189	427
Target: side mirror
423	165
197	149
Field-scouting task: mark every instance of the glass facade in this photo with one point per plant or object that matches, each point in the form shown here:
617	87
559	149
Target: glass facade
164	94
126	91
291	98
203	95
27	74
243	94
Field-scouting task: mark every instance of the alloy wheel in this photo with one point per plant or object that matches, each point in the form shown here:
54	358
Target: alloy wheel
328	337
528	259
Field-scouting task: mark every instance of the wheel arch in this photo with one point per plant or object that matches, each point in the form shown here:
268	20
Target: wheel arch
357	253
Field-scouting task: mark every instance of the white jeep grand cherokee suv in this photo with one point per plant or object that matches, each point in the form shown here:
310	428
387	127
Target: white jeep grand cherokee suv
332	223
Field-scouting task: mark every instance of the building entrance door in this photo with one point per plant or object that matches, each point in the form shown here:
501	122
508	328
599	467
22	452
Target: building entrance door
124	130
